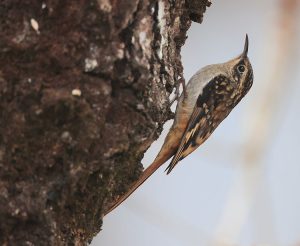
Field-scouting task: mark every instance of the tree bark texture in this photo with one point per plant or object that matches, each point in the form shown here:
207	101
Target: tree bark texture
84	91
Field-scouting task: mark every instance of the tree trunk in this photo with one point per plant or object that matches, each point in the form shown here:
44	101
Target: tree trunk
84	91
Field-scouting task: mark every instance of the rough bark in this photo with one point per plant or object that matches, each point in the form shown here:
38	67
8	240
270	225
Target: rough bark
84	91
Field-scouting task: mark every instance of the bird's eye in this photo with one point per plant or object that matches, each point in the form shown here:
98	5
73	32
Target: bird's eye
241	68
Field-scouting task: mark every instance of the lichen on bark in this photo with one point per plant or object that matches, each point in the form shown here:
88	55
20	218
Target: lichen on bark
84	91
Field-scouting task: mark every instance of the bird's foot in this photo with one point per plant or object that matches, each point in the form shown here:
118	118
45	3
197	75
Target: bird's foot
177	94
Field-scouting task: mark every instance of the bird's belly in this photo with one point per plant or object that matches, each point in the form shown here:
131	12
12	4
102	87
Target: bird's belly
175	134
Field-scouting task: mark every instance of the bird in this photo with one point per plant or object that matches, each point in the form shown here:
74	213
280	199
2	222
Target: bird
205	102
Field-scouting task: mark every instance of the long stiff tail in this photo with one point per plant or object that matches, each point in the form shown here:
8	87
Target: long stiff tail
145	175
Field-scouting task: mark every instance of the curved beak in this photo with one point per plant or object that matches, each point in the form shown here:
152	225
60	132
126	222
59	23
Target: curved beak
245	51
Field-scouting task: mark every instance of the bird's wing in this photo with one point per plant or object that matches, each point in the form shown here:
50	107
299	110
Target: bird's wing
199	126
188	141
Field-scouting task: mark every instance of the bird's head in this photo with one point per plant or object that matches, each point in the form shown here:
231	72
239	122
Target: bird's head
239	70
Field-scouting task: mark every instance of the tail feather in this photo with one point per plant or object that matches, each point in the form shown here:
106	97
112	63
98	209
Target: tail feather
145	175
168	149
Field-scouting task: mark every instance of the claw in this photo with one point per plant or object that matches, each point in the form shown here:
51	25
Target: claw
182	82
177	95
173	100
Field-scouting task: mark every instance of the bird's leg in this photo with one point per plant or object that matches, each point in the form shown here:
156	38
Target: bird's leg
182	82
177	95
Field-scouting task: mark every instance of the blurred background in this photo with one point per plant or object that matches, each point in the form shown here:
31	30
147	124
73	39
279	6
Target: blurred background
242	186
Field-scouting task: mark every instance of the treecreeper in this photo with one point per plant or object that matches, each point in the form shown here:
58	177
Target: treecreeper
206	101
